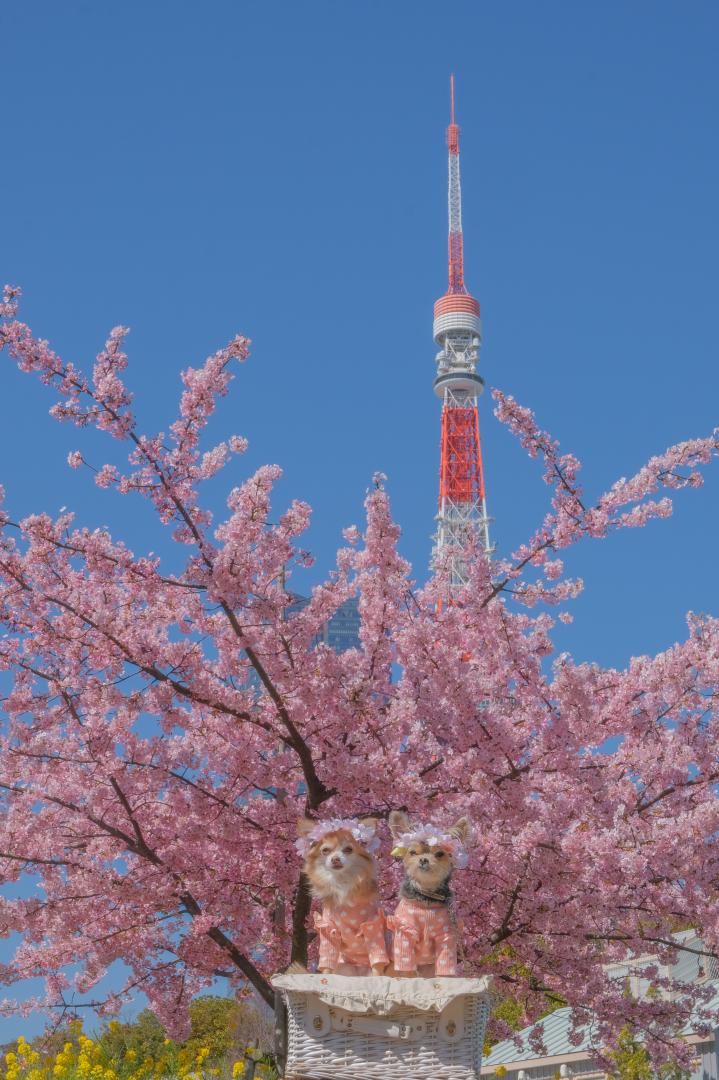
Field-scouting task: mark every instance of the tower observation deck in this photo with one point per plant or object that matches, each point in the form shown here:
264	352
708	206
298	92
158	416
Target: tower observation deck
462	520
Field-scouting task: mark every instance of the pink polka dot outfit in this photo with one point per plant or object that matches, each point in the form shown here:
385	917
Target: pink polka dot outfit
424	934
351	935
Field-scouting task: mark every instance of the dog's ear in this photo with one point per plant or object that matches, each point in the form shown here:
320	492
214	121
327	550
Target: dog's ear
398	822
461	830
305	825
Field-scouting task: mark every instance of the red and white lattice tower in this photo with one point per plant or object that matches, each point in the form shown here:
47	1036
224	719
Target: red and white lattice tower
462	515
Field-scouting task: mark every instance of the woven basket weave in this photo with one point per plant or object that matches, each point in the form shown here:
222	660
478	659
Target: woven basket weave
392	1029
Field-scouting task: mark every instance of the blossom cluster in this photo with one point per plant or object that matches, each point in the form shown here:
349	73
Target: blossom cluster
362	832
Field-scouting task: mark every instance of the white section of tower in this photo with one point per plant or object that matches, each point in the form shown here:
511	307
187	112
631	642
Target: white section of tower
455	195
457	322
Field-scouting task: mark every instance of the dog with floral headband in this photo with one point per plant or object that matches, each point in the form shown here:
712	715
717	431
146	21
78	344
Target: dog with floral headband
425	928
339	865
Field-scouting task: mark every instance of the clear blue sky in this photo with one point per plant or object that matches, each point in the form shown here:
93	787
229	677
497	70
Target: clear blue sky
279	169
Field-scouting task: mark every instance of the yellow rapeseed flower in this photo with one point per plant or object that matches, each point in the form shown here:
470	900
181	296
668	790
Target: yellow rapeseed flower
237	1069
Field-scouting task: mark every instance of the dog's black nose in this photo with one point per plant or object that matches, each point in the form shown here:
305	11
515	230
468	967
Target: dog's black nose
424	863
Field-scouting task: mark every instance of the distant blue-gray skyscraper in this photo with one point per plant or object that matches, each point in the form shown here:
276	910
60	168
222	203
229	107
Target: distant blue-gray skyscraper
341	632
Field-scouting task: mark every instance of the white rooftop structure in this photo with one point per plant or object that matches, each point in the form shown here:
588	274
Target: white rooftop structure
568	1059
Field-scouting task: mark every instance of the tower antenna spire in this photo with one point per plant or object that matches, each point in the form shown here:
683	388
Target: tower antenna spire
462	522
455	240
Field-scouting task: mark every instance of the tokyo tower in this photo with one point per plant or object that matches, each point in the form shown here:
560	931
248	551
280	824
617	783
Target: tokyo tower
462	514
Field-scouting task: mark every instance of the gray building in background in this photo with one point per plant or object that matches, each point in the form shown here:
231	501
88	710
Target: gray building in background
341	632
568	1058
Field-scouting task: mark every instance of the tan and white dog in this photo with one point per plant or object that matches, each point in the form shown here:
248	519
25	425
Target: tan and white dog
339	865
424	924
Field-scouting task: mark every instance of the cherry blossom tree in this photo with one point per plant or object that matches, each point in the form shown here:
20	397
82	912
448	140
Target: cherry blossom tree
165	730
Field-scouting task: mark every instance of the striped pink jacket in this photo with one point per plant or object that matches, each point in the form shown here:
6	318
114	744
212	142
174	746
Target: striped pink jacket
351	935
423	934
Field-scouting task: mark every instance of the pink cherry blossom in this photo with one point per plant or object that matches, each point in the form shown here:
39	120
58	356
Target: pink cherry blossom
167	727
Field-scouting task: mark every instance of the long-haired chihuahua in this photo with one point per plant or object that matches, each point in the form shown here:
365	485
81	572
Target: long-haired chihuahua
424	923
340	868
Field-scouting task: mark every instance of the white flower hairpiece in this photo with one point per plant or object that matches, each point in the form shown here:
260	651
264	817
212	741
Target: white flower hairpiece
364	834
433	837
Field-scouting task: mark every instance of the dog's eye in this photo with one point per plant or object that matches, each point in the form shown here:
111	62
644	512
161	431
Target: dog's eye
347	850
439	854
413	851
326	850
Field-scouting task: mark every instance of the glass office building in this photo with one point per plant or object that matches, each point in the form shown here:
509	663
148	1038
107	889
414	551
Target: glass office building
341	632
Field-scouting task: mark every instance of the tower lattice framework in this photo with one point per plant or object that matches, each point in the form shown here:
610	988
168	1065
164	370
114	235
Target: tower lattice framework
462	520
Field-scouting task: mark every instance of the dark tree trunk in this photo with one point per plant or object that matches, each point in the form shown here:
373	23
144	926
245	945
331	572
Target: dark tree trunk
300	915
280	1033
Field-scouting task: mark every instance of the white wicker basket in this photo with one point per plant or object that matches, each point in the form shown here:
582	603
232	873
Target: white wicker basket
377	1028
